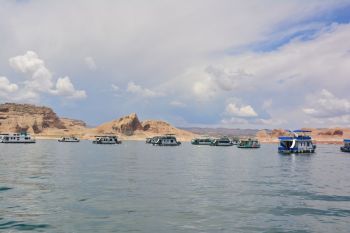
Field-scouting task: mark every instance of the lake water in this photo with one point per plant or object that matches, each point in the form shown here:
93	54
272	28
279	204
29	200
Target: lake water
135	187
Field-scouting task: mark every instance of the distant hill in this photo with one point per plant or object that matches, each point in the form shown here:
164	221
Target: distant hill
216	132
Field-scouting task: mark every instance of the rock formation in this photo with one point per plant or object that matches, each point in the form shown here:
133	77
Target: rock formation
130	127
126	125
27	117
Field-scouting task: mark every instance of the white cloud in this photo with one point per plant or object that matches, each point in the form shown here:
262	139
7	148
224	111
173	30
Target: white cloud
90	62
178	104
144	92
64	87
327	105
39	77
232	109
115	87
38	80
6	86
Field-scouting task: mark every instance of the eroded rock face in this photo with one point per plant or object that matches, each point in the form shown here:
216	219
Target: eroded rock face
126	125
27	117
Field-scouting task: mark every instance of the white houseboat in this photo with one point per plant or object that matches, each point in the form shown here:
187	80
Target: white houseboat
249	143
106	140
224	141
298	142
69	139
205	140
167	140
22	137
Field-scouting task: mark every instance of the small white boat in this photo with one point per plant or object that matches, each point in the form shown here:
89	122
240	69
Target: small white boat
69	139
106	140
22	137
167	140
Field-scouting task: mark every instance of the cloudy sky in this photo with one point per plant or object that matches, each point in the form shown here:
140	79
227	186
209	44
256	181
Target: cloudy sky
245	64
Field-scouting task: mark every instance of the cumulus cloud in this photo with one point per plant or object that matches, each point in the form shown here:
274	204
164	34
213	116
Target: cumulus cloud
144	92
214	79
64	87
6	86
39	79
233	109
327	105
90	62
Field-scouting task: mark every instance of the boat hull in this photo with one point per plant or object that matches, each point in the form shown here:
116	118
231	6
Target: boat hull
23	142
248	147
221	144
166	144
288	151
345	149
69	140
105	143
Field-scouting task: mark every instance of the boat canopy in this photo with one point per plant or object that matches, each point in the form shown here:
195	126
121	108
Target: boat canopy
285	138
302	131
346	140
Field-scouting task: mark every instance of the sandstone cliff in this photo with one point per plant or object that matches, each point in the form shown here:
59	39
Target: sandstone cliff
126	125
43	122
26	117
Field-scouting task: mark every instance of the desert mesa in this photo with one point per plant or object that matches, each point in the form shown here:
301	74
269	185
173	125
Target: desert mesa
44	123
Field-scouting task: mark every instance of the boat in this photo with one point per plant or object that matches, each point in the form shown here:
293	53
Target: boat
106	140
224	141
235	140
248	143
22	137
346	147
166	140
69	139
151	140
298	142
205	140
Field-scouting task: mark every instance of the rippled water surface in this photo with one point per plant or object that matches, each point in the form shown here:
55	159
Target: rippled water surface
134	187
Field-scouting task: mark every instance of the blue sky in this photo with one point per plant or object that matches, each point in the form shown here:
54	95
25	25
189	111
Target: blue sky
258	64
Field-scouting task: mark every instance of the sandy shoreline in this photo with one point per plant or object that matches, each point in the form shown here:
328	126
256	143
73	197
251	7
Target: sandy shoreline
123	138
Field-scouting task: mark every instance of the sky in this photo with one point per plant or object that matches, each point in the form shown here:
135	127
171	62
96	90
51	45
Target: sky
205	63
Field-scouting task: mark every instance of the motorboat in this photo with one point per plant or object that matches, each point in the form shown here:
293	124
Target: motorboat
69	139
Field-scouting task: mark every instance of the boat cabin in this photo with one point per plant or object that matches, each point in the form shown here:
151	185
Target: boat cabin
166	140
106	140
